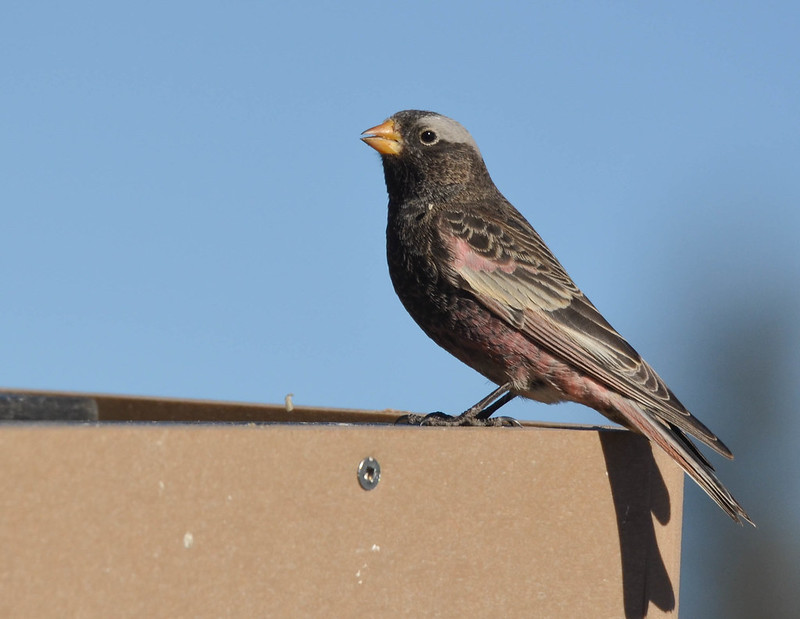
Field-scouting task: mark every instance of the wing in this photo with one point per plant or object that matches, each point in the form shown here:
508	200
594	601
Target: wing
505	264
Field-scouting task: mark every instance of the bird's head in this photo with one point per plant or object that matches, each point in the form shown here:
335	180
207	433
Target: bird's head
427	155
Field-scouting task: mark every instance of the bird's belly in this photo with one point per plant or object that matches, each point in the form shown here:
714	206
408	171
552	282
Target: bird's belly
457	322
491	346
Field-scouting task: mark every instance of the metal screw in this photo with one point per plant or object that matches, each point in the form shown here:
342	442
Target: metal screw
369	473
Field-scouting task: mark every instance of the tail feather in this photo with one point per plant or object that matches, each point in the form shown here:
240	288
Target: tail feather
678	446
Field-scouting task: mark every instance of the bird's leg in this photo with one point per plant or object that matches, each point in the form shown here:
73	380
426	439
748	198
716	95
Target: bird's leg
491	410
477	415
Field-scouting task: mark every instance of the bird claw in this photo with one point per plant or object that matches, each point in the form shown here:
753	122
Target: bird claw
432	419
503	422
440	419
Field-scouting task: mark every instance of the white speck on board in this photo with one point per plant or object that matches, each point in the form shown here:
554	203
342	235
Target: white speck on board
360	574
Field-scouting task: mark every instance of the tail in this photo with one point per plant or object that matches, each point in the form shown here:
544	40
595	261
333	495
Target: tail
678	446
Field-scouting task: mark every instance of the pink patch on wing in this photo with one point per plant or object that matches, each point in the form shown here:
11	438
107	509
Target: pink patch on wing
466	256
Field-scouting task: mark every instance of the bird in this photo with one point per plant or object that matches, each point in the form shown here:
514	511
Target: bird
481	283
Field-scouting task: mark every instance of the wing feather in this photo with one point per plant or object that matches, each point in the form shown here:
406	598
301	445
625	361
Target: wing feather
507	267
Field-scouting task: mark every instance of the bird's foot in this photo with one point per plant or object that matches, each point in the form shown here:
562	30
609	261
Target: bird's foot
466	418
478	415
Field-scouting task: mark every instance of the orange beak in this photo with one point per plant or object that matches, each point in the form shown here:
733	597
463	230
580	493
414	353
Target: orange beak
384	138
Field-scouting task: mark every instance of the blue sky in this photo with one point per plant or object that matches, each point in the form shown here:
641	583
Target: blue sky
188	211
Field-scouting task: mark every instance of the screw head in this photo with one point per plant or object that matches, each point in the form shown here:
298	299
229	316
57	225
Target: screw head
369	473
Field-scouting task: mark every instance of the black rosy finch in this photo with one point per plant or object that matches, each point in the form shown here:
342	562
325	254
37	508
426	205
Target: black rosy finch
479	280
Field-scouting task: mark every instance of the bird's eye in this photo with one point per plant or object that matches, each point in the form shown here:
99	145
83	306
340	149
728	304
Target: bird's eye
428	137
